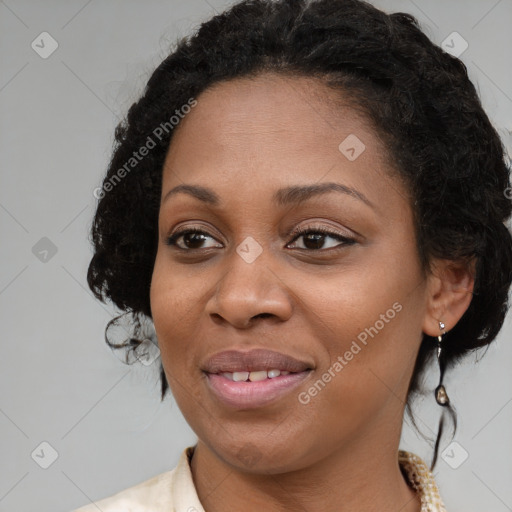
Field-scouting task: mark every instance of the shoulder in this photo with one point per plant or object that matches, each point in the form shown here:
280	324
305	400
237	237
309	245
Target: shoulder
151	494
160	493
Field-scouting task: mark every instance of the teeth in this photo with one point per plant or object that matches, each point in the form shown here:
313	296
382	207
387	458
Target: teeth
239	376
256	376
253	376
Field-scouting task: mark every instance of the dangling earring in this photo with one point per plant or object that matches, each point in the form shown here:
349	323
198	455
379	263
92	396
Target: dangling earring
440	393
442	397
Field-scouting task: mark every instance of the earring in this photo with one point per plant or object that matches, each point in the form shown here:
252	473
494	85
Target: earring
442	397
440	392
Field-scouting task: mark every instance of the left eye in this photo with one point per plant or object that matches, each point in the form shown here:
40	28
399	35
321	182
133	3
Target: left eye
315	239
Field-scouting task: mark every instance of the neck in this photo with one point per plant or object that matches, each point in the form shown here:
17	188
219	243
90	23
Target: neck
364	476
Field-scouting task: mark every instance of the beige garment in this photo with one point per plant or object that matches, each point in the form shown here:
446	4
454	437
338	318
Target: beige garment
174	491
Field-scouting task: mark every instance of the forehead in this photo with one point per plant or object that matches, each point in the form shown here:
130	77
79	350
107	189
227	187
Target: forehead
270	131
248	110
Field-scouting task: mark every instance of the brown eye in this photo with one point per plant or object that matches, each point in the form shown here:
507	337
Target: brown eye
193	239
314	239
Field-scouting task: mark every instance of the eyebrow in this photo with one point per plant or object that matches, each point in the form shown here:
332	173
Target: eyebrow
282	197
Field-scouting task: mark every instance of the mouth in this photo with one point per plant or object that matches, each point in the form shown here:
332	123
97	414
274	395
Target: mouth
248	380
253	376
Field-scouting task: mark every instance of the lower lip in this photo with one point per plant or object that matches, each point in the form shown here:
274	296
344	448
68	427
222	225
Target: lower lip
250	395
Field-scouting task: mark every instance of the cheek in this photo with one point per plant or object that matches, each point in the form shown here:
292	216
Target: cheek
169	309
172	293
171	302
367	322
367	363
177	311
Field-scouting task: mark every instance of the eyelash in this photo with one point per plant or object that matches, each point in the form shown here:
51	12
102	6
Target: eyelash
171	240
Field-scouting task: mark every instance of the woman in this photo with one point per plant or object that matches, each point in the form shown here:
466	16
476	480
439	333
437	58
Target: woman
308	203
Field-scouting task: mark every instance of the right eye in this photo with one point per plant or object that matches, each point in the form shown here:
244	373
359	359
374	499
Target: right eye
192	238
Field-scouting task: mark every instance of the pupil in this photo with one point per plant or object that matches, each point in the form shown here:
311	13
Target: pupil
316	239
199	239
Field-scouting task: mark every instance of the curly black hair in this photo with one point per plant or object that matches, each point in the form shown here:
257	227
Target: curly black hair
420	102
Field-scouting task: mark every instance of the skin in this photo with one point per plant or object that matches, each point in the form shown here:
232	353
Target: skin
245	139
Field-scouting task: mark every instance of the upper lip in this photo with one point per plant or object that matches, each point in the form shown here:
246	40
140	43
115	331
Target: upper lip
253	360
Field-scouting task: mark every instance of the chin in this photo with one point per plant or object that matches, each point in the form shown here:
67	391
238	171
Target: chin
259	456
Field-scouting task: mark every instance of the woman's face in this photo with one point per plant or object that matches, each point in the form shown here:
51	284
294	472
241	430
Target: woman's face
347	306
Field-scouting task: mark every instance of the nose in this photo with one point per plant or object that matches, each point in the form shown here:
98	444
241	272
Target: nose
247	292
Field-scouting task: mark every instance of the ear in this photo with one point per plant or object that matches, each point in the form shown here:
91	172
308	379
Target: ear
449	292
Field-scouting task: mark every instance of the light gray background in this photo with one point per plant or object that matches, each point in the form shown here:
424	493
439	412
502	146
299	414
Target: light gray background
59	382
